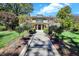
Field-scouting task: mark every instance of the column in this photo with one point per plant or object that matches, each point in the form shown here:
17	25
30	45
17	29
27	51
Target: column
41	27
46	25
34	26
37	27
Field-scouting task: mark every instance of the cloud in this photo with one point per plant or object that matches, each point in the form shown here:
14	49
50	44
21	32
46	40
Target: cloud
53	7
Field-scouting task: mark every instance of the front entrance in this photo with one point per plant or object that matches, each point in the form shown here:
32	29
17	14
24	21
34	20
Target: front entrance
39	27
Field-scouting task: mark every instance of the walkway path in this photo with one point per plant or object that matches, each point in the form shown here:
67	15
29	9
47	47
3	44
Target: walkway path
40	45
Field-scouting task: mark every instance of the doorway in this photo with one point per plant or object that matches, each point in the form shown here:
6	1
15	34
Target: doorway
39	27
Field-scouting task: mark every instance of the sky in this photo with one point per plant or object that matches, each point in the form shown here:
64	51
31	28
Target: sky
51	9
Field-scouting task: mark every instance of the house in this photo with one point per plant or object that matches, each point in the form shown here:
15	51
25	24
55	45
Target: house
41	22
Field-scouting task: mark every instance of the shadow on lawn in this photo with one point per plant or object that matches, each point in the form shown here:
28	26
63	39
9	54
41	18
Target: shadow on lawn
2	35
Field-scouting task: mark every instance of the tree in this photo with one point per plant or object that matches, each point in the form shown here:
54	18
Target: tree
6	7
64	13
12	12
76	26
17	8
67	24
22	19
9	20
26	8
65	16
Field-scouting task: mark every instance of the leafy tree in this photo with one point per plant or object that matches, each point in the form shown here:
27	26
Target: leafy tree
22	19
12	12
6	7
66	18
76	26
67	24
9	20
63	13
17	8
26	8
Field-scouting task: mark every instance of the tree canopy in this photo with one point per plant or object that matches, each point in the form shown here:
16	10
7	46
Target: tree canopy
65	17
8	19
16	8
10	13
64	13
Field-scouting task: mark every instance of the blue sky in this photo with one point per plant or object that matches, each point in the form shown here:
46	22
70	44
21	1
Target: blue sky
50	9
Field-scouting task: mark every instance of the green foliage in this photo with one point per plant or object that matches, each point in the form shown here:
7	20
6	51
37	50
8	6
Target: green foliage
19	29
26	8
9	20
2	28
22	19
11	13
6	37
26	27
46	30
67	24
16	8
64	13
76	26
32	31
68	37
55	28
22	28
66	18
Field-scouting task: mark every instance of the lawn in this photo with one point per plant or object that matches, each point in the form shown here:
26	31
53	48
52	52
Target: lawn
7	36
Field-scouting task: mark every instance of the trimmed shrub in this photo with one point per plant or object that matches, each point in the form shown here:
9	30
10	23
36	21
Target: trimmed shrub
46	30
26	27
32	31
19	29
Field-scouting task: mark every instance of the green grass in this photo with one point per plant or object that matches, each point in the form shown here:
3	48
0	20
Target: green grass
7	36
23	33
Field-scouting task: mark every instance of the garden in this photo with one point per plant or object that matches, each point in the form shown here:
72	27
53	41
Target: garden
66	36
13	26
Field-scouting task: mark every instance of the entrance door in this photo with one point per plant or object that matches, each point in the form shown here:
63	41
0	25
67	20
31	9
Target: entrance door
39	27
